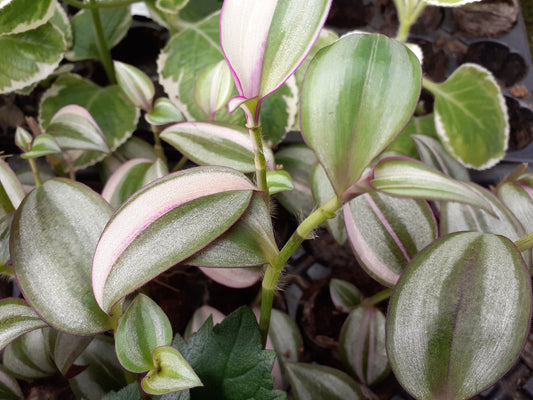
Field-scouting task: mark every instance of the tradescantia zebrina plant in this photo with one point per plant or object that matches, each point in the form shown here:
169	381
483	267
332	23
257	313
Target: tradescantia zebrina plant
456	270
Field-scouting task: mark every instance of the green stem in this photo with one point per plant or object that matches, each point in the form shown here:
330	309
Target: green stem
93	5
431	86
408	18
158	147
181	163
378	297
103	50
260	162
270	280
525	243
35	172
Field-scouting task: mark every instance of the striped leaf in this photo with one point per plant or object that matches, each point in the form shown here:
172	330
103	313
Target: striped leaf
217	143
53	238
459	316
404	144
17	318
387	232
171	373
164	223
470	113
349	109
213	88
5	232
143	327
130	177
74	128
164	112
273	39
23	139
362	345
405	177
135	85
278	181
23	15
11	192
9	387
67	348
518	197
43	145
344	295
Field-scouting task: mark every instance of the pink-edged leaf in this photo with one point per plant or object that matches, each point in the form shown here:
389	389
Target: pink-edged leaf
265	42
136	86
213	88
16	319
236	278
164	223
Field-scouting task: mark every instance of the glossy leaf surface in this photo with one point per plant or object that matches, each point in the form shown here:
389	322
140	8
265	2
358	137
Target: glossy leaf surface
143	327
344	295
387	232
470	113
135	84
347	85
317	382
17	318
187	210
53	239
459	316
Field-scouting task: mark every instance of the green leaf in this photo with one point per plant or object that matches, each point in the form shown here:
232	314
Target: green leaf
115	23
23	15
11	192
423	125
61	21
171	6
387	232
278	181
143	327
53	238
297	160
230	361
171	373
130	392
30	56
404	177
163	113
362	345
316	382
323	191
23	139
135	85
5	232
518	197
470	113
117	126
17	318
197	10
43	145
465	302
28	357
213	88
67	348
9	387
344	295
103	373
433	154
349	109
130	177
178	215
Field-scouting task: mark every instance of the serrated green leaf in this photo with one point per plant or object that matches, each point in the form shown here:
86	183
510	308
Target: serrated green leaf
143	328
17	318
459	316
9	387
130	177
117	126
387	232
53	238
23	15
67	348
316	382
403	144
115	24
11	192
278	181
164	112
171	373
322	192
344	295
130	392
135	85
470	113
362	345
229	360
347	85
187	210
103	373
28	357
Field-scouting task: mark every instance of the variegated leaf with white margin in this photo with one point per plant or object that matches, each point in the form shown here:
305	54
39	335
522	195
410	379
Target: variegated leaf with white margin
62	22
74	128
433	154
387	232
213	88
53	239
164	223
9	387
215	143
471	116
164	112
347	86
115	24
29	57
11	192
323	191
117	126
130	177
5	256
42	145
18	16
404	177
518	197
17	318
265	42
135	85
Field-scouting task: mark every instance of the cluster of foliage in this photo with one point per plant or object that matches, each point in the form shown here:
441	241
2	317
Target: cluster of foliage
454	258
